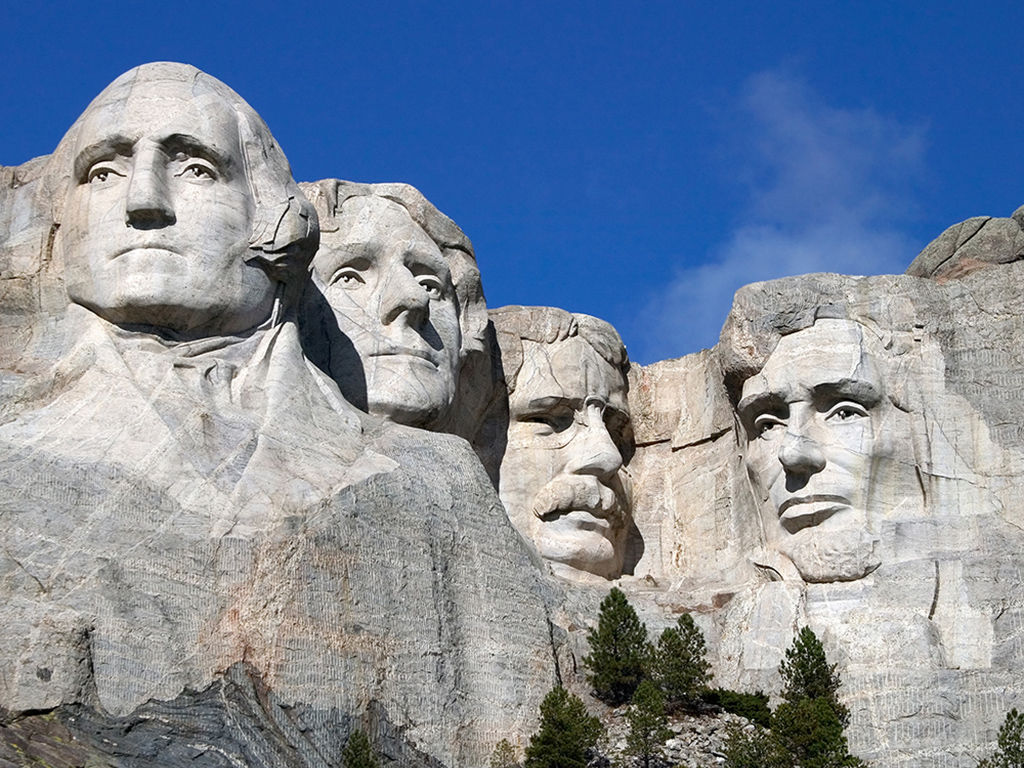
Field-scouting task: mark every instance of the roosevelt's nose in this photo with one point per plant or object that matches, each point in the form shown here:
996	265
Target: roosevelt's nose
593	451
402	296
801	455
148	204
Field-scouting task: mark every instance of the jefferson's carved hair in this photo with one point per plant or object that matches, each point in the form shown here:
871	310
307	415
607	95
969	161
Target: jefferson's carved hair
329	197
285	233
547	325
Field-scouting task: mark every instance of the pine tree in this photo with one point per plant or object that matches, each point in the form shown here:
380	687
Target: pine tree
358	753
566	735
503	756
1010	753
619	650
806	674
648	724
752	747
680	668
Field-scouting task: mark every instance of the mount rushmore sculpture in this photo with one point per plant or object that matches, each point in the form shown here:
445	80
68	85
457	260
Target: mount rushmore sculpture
272	472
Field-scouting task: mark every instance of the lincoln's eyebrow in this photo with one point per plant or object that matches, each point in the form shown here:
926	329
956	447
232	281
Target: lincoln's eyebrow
194	147
858	390
760	402
116	144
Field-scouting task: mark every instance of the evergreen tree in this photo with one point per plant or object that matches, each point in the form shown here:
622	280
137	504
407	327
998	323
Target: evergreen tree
752	747
1010	753
619	650
503	756
810	734
806	674
679	667
648	724
566	735
358	753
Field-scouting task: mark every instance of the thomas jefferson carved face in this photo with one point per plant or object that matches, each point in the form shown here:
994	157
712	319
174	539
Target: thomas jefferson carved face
158	216
391	291
815	422
562	479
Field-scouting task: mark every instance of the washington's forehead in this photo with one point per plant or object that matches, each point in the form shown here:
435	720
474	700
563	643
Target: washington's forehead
570	368
160	108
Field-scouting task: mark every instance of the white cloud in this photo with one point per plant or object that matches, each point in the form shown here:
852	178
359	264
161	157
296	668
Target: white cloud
828	191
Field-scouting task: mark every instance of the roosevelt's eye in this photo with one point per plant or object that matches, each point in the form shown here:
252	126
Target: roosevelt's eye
550	422
347	277
766	424
846	411
101	173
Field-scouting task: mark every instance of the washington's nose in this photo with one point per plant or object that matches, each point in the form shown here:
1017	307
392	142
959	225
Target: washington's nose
593	450
148	205
403	296
801	455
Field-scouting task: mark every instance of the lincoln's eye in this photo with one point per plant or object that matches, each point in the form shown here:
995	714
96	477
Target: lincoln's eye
766	425
846	411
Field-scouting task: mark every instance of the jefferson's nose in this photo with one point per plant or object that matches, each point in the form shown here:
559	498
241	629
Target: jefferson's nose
403	296
593	450
148	204
801	455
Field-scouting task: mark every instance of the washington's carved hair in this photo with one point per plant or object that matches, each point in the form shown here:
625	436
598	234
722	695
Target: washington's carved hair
547	325
285	233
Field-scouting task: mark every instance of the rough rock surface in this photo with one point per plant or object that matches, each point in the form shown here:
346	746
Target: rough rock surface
211	554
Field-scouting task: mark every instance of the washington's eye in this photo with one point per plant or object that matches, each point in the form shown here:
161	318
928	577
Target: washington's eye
432	286
347	277
100	174
766	424
846	411
198	170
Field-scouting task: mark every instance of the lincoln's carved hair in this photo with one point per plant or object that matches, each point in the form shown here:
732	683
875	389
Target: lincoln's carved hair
329	197
548	325
762	313
285	233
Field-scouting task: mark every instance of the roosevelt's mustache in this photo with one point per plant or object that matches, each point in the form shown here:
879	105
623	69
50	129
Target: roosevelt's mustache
568	493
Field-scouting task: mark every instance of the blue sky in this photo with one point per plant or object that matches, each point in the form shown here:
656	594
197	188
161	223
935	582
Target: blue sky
633	161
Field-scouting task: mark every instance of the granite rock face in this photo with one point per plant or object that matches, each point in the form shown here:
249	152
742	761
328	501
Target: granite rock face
271	473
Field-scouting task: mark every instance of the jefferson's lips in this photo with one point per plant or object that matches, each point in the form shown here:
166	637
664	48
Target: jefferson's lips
804	511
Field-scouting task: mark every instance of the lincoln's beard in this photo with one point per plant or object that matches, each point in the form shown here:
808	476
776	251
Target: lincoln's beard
822	556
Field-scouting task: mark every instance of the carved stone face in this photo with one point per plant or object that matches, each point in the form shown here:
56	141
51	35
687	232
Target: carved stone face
561	479
815	418
158	215
391	291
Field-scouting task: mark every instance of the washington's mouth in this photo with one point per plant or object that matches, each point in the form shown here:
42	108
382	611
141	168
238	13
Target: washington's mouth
404	352
152	249
800	512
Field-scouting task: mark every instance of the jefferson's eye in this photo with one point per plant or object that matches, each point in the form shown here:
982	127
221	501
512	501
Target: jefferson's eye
432	286
100	174
347	277
846	411
766	424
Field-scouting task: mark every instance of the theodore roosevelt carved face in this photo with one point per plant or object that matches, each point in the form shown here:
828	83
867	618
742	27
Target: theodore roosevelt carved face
562	478
815	418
